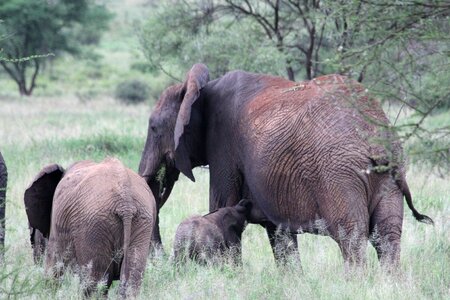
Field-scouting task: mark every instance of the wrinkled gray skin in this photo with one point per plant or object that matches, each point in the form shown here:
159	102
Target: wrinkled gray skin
212	237
317	156
3	182
98	219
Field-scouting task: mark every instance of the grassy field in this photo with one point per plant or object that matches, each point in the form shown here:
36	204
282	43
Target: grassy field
38	131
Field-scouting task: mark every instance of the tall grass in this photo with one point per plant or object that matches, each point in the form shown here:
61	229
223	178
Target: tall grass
38	131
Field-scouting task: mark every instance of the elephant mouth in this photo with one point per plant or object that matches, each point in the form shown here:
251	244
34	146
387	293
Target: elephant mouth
162	183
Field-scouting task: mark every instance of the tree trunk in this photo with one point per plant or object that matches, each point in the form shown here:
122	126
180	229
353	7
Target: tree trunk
18	74
308	67
3	181
290	73
22	89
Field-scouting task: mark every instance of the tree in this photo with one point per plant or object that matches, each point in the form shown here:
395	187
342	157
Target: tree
33	29
270	27
181	34
398	49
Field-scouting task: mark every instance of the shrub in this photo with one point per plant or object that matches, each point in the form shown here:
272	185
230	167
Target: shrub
132	91
143	67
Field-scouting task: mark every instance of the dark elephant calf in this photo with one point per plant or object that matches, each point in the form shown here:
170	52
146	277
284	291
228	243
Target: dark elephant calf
208	238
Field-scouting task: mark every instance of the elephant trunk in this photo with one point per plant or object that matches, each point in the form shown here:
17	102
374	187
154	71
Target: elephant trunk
159	172
149	165
161	196
156	244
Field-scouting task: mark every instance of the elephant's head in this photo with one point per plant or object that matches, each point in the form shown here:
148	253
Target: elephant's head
234	219
241	213
174	135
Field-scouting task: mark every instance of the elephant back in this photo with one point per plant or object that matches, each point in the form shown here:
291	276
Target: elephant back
104	187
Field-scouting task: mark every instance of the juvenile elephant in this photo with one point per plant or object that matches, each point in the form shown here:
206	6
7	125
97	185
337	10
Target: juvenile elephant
317	156
98	217
3	182
208	238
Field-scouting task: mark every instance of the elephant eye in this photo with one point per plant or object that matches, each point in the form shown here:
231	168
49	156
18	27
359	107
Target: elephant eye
153	128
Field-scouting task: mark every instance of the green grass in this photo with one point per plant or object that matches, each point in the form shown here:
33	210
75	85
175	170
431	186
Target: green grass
39	131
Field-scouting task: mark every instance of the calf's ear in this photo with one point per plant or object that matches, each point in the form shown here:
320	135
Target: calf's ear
38	197
244	206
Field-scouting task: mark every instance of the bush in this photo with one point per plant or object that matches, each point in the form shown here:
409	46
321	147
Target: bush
143	67
132	91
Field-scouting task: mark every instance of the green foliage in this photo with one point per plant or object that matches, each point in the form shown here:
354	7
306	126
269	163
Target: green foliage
40	27
401	56
222	46
143	67
132	91
91	25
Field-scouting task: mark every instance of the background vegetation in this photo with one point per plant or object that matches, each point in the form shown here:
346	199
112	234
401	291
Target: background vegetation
400	52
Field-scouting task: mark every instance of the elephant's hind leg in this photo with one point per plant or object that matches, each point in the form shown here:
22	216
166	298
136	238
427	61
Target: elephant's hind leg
386	227
97	267
136	261
352	240
347	223
60	254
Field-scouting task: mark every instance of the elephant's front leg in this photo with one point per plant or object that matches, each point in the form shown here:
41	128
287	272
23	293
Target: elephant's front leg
284	245
225	187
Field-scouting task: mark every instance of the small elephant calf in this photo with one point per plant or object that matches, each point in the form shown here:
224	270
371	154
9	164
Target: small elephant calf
206	239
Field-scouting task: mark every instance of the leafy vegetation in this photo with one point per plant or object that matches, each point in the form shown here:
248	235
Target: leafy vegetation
132	91
35	29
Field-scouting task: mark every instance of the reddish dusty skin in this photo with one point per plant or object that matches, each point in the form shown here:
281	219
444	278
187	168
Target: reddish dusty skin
316	156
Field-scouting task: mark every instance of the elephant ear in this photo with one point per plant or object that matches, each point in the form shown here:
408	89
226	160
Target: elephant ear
231	227
38	197
244	206
196	79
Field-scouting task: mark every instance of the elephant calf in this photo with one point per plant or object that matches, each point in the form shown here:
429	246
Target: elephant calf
97	217
208	238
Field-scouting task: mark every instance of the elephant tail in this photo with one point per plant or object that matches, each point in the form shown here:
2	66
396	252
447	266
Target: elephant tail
401	182
126	211
125	266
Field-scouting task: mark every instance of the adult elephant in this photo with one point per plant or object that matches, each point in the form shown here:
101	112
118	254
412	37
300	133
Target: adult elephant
316	156
3	182
95	215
